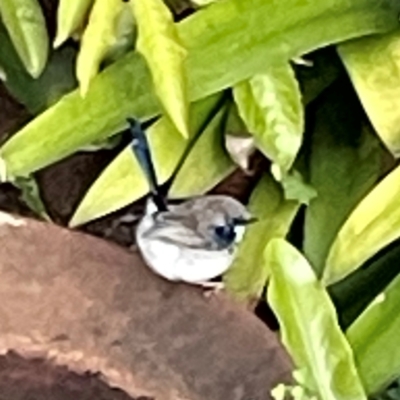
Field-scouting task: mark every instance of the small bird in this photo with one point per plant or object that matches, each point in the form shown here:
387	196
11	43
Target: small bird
194	241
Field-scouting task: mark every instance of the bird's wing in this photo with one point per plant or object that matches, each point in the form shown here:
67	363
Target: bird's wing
188	220
177	233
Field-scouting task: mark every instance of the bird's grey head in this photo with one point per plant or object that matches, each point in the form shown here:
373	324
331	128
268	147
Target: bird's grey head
222	220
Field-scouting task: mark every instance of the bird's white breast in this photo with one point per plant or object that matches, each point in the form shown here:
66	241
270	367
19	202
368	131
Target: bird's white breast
178	263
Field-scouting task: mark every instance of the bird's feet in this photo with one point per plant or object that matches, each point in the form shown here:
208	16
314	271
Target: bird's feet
211	288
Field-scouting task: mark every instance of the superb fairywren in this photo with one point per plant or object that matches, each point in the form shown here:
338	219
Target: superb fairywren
192	242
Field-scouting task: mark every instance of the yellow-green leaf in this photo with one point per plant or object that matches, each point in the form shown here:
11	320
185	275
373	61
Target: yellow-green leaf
270	105
344	164
30	195
98	37
125	36
373	224
248	274
161	46
26	26
309	326
224	48
123	182
70	16
295	186
37	94
374	337
207	163
373	64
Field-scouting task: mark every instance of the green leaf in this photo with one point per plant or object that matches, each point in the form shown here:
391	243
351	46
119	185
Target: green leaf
235	49
248	274
123	182
207	163
373	64
345	162
98	37
295	187
105	144
270	105
309	327
38	94
159	42
39	143
325	69
70	16
374	337
223	49
354	293
373	224
30	194
125	36
26	26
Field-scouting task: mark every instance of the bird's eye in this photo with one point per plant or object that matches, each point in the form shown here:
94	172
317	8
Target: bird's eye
224	235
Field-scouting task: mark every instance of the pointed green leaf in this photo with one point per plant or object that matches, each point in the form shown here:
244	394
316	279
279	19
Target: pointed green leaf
373	64
325	69
295	187
220	54
70	16
345	162
119	184
123	182
159	42
98	37
374	337
49	137
248	274
309	327
125	36
353	294
294	28
30	194
207	163
37	94
373	224
270	105
26	26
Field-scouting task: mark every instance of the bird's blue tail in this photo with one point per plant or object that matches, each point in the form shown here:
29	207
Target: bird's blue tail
141	149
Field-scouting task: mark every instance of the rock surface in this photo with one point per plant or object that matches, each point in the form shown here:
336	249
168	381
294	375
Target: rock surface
92	308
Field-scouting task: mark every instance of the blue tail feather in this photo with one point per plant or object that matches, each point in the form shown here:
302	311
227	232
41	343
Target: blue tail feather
141	149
